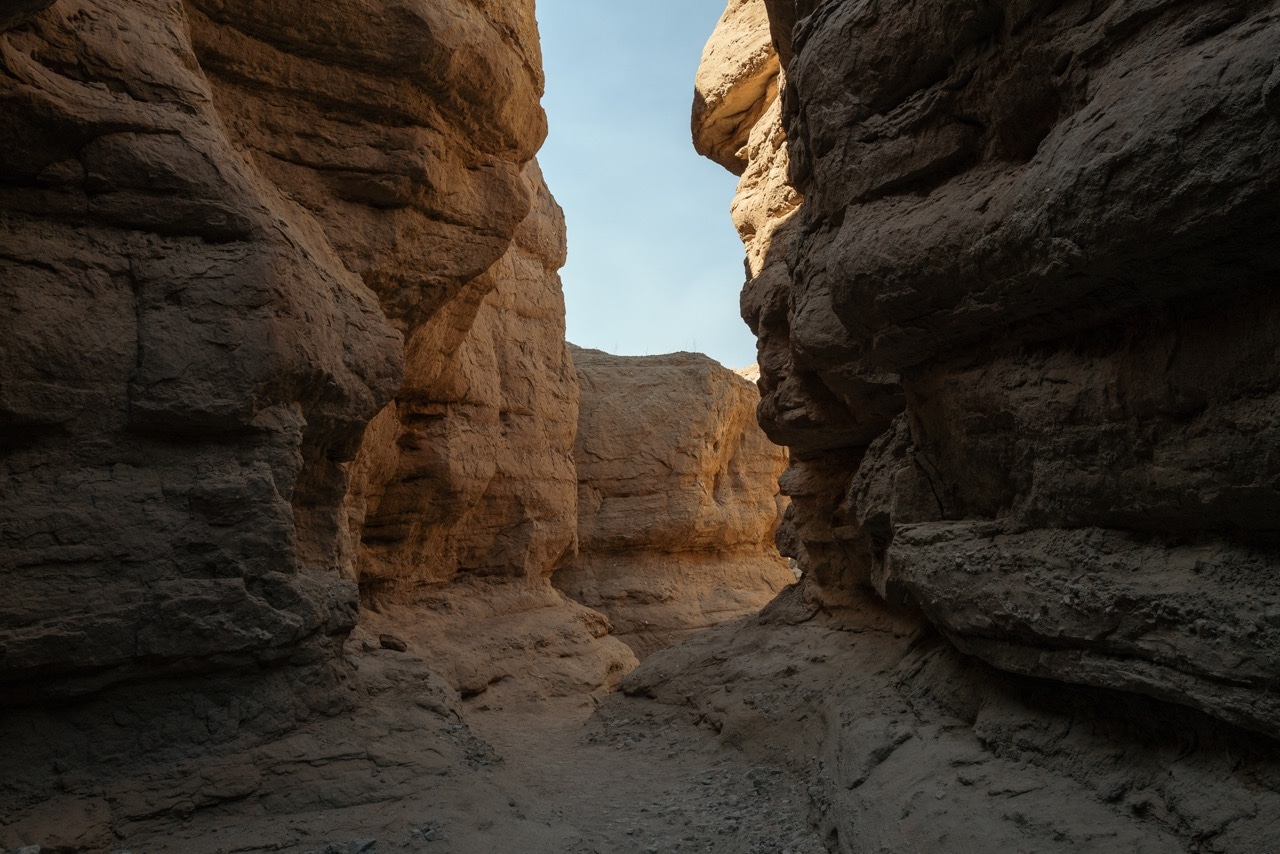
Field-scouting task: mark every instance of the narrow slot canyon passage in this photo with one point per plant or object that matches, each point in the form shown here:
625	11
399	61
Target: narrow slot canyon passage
319	536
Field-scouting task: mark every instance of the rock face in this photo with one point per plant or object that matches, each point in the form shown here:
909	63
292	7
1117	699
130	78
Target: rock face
284	338
470	471
677	497
1020	335
234	236
226	250
187	367
465	492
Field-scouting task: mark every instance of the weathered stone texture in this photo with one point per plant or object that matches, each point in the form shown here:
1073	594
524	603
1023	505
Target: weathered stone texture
218	232
677	497
737	79
907	745
1020	335
470	470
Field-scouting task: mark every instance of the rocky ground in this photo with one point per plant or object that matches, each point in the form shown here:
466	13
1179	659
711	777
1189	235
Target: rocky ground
414	768
810	728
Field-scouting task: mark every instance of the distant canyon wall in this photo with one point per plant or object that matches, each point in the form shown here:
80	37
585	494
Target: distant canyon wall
678	497
1011	270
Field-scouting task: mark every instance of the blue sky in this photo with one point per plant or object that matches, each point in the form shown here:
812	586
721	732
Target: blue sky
654	263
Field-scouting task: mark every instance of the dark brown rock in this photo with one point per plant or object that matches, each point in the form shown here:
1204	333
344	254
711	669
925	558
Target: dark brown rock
15	12
1020	336
187	368
392	642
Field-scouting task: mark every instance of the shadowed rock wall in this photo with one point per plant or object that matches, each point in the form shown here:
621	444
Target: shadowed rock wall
1020	335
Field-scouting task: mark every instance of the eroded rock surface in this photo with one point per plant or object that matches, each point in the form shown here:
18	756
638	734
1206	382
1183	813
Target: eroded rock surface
1019	336
226	250
907	745
470	471
677	498
187	367
231	235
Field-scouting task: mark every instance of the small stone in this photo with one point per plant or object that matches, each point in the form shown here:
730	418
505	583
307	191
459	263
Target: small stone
392	642
354	661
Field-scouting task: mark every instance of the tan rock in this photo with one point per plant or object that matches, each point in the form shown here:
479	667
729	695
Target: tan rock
736	81
678	498
470	471
512	640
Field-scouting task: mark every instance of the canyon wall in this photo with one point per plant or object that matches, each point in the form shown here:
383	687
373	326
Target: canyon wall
1020	334
230	246
284	350
677	497
470	470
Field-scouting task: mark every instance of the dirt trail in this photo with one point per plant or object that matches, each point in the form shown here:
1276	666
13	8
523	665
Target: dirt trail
639	777
413	769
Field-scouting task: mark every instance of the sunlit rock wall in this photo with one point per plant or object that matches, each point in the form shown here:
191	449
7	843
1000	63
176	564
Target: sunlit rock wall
677	497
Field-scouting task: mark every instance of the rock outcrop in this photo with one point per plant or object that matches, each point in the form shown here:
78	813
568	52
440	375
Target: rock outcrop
284	339
187	366
1019	336
228	245
677	497
470	471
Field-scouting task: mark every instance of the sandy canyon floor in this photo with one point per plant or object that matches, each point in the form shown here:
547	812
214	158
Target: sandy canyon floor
413	768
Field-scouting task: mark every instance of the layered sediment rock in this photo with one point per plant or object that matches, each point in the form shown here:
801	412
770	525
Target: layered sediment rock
470	471
187	366
282	325
226	249
465	497
1019	336
677	497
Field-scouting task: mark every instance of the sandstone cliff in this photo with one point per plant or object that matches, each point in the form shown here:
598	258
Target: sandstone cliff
284	338
1008	270
470	470
677	497
465	498
226	250
1019	337
187	364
